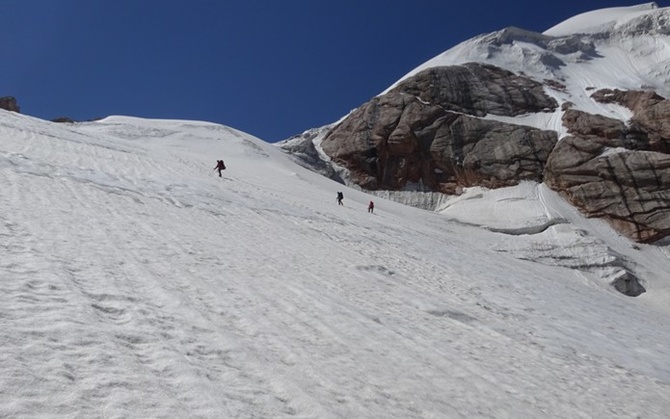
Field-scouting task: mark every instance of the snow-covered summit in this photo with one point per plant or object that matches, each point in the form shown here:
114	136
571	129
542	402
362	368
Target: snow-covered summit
625	47
609	20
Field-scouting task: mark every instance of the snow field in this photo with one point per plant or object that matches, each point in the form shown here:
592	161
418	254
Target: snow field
136	282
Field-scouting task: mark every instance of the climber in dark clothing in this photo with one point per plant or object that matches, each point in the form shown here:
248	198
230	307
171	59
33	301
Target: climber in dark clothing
371	207
340	197
220	166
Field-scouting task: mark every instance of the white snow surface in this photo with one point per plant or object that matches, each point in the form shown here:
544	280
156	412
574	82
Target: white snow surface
134	282
601	20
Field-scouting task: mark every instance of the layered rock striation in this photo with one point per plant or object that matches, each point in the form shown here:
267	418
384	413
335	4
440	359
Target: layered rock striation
618	171
428	132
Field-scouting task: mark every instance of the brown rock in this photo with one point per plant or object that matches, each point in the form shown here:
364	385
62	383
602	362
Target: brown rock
614	178
8	103
651	114
478	89
396	140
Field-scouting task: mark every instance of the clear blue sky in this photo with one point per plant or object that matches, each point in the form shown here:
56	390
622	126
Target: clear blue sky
272	68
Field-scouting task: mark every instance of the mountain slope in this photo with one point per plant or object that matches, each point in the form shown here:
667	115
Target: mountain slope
512	106
135	282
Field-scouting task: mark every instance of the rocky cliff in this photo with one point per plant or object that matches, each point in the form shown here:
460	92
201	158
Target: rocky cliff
429	131
618	171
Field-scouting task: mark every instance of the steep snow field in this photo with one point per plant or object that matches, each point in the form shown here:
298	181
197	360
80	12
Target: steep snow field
134	282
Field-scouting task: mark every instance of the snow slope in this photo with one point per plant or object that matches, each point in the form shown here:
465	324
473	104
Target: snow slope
134	282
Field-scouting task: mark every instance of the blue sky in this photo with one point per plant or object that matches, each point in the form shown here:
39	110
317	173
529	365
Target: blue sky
267	67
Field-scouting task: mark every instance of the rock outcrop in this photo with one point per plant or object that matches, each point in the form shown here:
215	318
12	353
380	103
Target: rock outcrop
651	114
478	89
8	103
418	136
614	171
431	133
428	133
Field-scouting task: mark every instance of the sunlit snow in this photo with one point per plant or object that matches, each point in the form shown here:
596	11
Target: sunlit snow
601	20
135	282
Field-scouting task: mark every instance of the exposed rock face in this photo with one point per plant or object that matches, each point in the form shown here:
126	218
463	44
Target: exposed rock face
611	171
413	137
8	103
478	89
428	133
651	114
